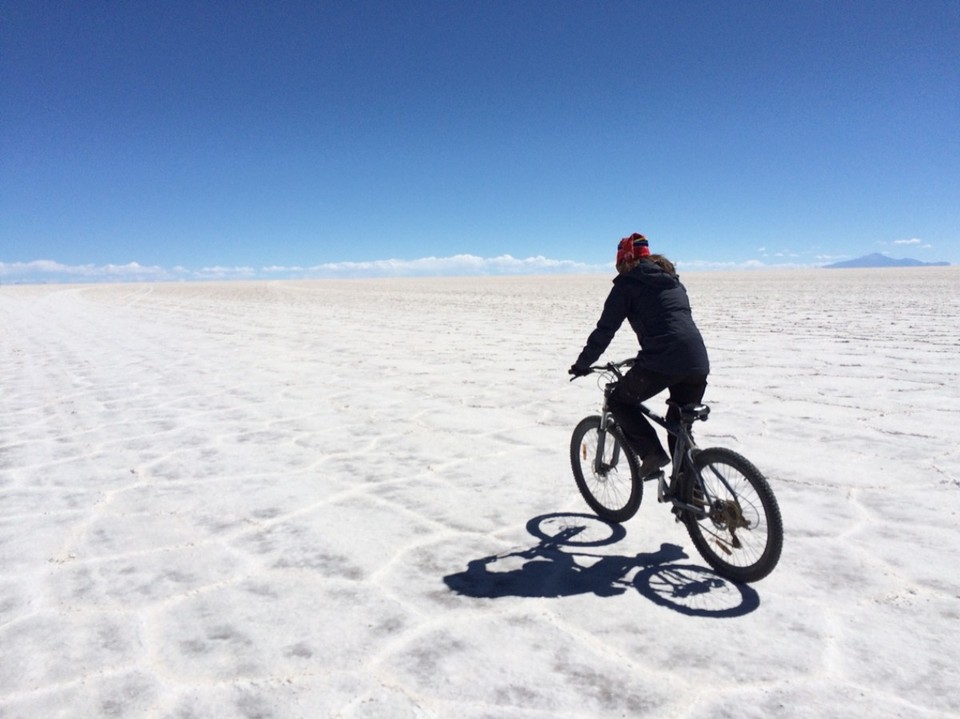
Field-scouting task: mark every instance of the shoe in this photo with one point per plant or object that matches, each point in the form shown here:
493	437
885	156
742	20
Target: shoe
653	462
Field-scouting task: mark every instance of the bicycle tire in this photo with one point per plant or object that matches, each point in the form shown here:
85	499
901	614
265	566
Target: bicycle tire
614	493
566	529
742	535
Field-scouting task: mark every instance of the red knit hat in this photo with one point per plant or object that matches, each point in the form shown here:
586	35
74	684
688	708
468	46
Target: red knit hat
632	248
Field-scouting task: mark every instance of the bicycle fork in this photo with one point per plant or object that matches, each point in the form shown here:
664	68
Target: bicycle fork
599	466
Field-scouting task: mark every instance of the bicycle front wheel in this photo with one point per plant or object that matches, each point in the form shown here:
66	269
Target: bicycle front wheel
741	532
606	471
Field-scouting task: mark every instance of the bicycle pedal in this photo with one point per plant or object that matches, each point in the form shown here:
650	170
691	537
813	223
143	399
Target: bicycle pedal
663	490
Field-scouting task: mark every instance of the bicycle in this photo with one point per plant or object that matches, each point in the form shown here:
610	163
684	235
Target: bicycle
725	502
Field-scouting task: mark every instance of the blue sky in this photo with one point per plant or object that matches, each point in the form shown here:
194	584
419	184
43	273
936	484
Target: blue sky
163	140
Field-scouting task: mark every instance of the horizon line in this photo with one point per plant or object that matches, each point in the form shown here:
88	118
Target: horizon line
45	271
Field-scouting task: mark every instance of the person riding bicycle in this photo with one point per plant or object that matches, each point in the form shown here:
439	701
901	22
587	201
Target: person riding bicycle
648	294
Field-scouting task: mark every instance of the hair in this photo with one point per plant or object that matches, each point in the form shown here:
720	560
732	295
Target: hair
659	260
662	262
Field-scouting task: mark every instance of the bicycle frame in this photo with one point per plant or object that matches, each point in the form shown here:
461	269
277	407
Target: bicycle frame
683	452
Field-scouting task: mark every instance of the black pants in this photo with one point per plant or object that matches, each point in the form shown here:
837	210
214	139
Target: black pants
639	385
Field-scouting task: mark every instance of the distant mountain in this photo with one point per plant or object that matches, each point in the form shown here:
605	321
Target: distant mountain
878	260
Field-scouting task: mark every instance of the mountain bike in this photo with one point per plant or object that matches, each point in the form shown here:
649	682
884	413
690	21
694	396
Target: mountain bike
725	502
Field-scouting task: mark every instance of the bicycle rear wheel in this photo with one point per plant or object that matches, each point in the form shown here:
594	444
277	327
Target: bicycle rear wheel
741	536
611	486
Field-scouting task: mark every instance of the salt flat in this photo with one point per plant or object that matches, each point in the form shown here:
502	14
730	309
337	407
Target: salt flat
336	498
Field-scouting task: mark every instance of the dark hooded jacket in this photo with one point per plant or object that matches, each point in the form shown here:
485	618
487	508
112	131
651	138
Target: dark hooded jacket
657	307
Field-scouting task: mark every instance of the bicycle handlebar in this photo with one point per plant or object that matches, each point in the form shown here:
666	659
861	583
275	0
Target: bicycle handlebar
614	367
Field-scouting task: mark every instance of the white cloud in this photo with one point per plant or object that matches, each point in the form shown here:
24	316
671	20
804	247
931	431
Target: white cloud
733	266
912	242
131	269
224	273
52	271
436	266
455	265
9	269
915	242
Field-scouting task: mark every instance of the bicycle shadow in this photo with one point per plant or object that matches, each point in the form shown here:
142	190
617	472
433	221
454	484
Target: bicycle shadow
557	567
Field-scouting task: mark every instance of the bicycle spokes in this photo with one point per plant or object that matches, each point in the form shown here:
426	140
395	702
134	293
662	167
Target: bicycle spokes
606	474
738	530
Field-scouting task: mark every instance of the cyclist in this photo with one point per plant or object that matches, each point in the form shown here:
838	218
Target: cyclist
648	294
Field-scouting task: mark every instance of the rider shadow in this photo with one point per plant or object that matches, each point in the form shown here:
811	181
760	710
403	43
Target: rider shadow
556	567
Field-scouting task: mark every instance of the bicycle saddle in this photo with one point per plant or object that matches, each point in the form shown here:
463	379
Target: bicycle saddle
691	412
